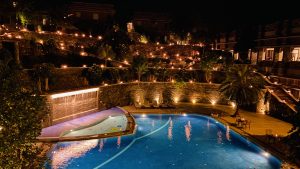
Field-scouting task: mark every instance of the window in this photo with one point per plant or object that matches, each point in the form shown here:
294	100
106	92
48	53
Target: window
269	54
95	16
296	54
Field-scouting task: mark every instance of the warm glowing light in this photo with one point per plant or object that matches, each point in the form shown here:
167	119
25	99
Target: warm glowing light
83	35
121	82
54	96
83	65
184	114
76	34
176	99
266	154
105	84
172	67
126	62
9	35
172	80
99	37
102	66
213	102
191	81
144	115
62	48
157	100
64	66
19	37
24	30
191	68
154	80
177	54
90	36
83	53
233	104
194	101
41	41
120	66
59	32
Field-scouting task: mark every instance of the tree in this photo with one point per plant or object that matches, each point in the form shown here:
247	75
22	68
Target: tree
241	86
43	71
106	52
208	60
21	113
119	41
140	65
93	75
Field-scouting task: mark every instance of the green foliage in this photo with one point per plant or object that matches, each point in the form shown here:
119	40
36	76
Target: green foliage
242	85
140	65
106	52
21	114
119	41
93	75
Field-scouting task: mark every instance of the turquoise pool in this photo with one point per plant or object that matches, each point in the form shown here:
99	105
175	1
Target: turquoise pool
166	141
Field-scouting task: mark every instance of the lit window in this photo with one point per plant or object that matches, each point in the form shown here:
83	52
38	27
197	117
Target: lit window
269	53
296	54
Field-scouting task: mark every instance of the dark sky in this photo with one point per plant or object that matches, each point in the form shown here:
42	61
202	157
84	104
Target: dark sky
218	12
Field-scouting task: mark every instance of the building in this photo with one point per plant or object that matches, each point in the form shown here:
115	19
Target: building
275	45
158	23
91	11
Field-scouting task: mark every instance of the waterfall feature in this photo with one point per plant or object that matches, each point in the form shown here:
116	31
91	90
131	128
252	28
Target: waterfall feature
73	104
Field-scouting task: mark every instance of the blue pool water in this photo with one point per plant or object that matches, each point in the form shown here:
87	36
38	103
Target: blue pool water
166	141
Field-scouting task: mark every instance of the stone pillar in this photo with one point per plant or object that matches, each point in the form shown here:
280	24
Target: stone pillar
276	54
261	106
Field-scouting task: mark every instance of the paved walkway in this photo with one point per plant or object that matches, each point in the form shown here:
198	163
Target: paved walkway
56	130
258	126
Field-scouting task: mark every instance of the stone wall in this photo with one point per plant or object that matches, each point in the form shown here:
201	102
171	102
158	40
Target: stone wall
126	94
72	104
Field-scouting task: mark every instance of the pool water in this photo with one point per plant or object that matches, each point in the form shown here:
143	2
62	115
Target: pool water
165	141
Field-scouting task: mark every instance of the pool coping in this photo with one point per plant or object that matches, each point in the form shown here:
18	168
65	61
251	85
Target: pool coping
130	129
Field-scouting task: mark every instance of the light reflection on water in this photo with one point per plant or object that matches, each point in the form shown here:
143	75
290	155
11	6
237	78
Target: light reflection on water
61	156
192	139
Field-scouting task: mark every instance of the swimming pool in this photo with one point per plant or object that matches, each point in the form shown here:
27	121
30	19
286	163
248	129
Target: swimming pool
166	141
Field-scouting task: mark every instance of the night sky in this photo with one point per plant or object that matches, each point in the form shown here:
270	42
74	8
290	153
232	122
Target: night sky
218	10
213	12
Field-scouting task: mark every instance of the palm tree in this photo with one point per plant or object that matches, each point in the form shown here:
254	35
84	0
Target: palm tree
106	52
140	65
242	86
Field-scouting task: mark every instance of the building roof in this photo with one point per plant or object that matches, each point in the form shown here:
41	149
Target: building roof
91	7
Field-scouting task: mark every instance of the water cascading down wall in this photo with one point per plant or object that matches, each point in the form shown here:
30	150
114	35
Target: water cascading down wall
69	105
